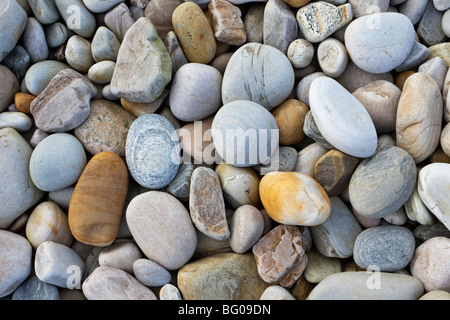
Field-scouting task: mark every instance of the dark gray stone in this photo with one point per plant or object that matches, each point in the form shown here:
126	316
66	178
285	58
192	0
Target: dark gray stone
35	289
419	53
390	248
311	130
180	185
430	28
18	61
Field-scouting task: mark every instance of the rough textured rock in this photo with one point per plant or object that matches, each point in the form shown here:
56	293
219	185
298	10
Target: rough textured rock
280	256
227	24
280	25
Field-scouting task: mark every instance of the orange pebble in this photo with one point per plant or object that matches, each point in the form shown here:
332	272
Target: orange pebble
23	102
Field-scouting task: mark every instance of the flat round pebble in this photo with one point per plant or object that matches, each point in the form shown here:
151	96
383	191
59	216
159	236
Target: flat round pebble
57	162
390	248
150	273
300	53
151	151
332	57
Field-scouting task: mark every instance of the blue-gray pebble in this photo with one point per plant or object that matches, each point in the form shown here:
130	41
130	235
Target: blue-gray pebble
152	151
35	289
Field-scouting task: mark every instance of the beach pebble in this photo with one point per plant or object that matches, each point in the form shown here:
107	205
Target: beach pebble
99	6
162	228
319	20
280	256
300	53
307	158
77	17
441	50
195	92
44	10
416	210
62	196
150	273
105	45
169	292
436	295
445	139
160	13
429	28
34	40
430	264
332	56
119	20
259	73
419	115
107	283
358	139
13	22
380	99
328	237
239	185
390	248
16	256
18	61
18	192
445	23
120	255
276	292
304	85
39	75
380	49
413	9
16	120
239	279
333	171
48	222
194	32
251	120
312	131
360	285
254	22
9	86
280	25
381	184
419	53
101	72
290	117
57	162
436	68
72	88
362	8
56	264
106	128
283	160
181	184
433	188
227	24
152	158
319	266
143	82
207	205
35	289
95	209
246	227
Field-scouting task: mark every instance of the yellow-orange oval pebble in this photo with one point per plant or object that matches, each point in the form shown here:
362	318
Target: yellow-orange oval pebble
23	101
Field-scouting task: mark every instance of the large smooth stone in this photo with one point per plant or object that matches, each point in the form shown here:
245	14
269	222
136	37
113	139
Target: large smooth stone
434	190
381	184
107	283
141	75
379	43
207	205
390	248
259	73
13	20
17	190
106	128
294	198
99	6
341	118
329	238
39	75
57	162
361	285
225	276
97	202
162	228
244	133
419	116
151	151
16	256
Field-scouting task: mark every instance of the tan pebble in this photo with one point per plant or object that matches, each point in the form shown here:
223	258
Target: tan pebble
194	33
333	171
246	227
293	198
401	78
441	50
296	3
227	24
436	295
439	155
48	222
302	288
290	117
445	139
139	109
23	101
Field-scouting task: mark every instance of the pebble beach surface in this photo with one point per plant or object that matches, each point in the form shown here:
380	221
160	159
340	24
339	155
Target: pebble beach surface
224	150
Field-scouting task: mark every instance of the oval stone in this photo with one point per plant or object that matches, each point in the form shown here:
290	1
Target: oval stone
244	133
97	202
259	73
379	43
434	190
341	118
162	228
419	116
246	226
40	74
152	151
57	162
16	256
354	286
17	190
13	22
381	184
294	198
390	248
150	273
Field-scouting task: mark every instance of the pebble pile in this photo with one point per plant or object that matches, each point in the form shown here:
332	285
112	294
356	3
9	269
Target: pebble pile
224	149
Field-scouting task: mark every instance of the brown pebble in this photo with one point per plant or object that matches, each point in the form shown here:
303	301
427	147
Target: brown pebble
401	78
290	117
226	21
23	101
